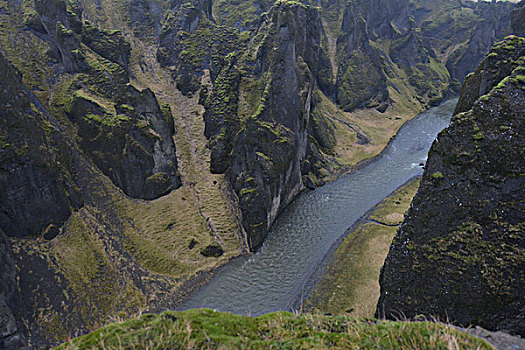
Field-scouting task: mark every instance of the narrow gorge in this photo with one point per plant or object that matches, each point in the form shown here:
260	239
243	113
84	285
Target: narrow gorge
159	154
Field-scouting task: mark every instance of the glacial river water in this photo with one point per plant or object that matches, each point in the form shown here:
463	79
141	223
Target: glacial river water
274	277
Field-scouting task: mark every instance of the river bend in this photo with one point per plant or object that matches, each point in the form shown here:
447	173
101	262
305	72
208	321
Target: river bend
271	279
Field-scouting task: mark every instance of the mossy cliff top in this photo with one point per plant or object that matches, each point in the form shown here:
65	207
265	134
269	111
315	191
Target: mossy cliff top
208	329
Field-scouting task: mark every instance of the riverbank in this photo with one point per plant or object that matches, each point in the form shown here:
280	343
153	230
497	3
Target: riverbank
349	283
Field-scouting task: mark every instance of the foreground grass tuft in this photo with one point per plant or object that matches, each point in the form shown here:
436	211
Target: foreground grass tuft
208	329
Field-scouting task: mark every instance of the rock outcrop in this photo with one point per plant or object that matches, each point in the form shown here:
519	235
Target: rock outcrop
263	144
123	130
269	152
493	26
361	81
37	192
133	144
459	255
190	42
518	20
36	187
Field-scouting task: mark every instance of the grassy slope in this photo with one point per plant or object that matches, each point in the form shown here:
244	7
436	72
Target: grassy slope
351	280
207	329
202	206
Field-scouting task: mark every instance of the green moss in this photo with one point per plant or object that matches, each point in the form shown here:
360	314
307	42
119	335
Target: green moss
4	145
478	136
264	156
166	112
242	14
101	65
437	175
465	253
31	17
430	80
109	44
211	329
360	81
323	132
159	177
246	191
62	31
107	119
127	107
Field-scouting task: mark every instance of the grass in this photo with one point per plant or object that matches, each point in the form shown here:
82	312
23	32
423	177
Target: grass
208	329
391	210
351	280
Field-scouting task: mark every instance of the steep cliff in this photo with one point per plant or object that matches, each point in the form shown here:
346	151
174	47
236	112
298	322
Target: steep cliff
37	191
272	145
360	55
459	254
493	24
518	20
123	130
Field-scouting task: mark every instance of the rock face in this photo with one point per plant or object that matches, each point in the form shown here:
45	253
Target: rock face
69	115
459	254
518	20
35	191
361	81
190	42
123	130
494	25
269	152
133	145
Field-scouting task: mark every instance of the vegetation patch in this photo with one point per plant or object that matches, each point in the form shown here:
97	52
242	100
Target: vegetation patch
438	175
208	329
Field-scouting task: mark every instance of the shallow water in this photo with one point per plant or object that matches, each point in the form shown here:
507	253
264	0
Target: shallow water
271	279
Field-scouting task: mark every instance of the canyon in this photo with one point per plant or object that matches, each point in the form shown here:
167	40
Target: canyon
144	144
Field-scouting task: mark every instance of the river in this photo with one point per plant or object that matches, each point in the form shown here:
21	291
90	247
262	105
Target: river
271	279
